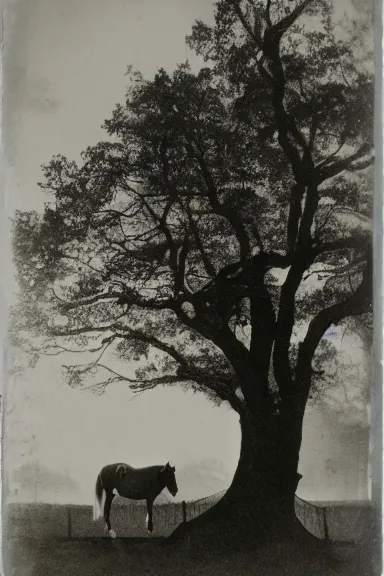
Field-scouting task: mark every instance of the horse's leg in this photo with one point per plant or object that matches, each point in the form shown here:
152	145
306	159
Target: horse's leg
107	512
149	516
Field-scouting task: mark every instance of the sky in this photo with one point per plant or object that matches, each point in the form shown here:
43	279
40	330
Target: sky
64	70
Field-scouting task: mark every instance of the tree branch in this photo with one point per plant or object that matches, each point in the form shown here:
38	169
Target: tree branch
245	24
135	383
223	386
195	152
230	216
209	268
107	296
325	172
180	276
162	223
283	25
78	331
291	140
360	302
294	215
126	332
125	296
341	244
286	314
263	322
268	13
64	350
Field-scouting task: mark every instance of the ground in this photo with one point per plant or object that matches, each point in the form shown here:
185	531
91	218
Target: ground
130	557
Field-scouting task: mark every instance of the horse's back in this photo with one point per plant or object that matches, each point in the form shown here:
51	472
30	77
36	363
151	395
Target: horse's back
113	467
139	476
108	475
145	470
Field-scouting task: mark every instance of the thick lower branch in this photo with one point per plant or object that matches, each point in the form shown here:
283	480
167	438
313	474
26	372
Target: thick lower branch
346	163
359	303
355	242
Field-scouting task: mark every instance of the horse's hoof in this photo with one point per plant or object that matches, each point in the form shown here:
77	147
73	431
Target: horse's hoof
112	534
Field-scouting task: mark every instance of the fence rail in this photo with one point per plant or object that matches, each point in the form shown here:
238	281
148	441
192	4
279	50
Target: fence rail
336	522
341	522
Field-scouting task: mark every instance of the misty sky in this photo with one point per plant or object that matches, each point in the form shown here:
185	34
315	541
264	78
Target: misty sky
65	63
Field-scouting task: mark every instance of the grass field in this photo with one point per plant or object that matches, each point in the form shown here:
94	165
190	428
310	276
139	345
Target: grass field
38	544
134	557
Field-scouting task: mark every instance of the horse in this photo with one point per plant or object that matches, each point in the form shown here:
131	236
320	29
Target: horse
134	484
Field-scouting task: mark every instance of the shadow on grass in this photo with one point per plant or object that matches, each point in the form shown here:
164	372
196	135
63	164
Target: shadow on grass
123	557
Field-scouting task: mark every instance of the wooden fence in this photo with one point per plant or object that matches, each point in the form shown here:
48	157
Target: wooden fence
54	521
342	522
336	522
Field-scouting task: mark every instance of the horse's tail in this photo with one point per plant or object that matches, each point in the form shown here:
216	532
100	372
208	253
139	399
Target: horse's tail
99	493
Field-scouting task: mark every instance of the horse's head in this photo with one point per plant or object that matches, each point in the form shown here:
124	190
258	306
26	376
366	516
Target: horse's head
170	479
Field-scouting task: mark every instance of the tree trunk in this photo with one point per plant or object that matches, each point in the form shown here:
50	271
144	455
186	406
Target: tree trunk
290	426
259	504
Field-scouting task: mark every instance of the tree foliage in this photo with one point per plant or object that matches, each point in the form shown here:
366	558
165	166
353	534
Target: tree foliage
223	225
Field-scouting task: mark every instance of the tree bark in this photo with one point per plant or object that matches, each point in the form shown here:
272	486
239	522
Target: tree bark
259	504
290	426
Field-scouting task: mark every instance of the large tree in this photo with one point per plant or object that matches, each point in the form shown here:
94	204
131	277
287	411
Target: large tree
219	231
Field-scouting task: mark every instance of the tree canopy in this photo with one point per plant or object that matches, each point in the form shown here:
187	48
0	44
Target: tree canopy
223	225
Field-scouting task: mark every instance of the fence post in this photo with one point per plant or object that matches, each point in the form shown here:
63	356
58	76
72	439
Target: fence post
184	505
326	534
69	522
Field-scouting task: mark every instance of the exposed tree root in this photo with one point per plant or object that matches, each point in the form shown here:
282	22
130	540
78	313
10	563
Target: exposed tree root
223	528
